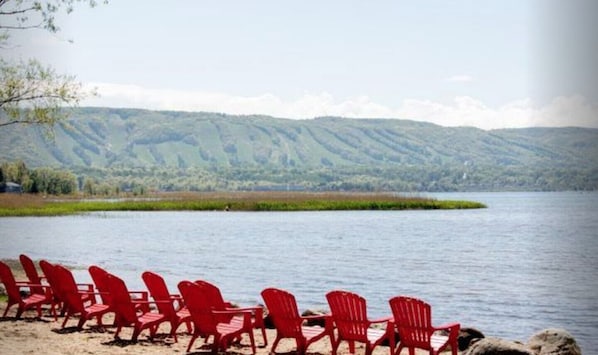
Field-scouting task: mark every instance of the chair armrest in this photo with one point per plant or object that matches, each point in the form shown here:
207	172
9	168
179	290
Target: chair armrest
144	294
381	320
89	287
28	284
140	292
312	320
25	283
316	317
246	309
450	327
232	311
246	314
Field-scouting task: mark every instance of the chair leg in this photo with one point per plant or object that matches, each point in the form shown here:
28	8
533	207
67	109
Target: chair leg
81	322
173	328
275	344
455	348
136	333
301	346
193	338
6	310
118	328
264	336
335	344
19	312
66	318
252	340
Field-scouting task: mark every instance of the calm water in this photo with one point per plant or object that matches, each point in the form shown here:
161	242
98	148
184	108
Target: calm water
528	262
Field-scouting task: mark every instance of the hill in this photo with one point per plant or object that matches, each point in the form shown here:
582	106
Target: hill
186	151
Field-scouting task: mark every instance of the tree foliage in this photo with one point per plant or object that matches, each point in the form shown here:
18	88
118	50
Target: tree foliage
31	93
41	180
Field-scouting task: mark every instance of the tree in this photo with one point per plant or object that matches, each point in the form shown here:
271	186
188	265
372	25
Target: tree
31	93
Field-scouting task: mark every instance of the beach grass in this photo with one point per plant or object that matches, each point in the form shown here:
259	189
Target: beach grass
34	205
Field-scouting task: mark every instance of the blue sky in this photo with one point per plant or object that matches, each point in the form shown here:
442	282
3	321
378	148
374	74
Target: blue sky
489	64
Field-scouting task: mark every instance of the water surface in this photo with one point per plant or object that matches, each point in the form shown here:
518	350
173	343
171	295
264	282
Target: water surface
527	262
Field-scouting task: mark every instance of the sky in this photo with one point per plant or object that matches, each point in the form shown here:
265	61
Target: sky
488	64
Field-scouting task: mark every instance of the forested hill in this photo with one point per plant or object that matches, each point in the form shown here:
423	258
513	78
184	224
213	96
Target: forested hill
96	140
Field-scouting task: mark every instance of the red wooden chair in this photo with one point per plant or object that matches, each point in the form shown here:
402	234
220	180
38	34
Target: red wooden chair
74	302
32	274
209	322
171	305
34	300
220	304
99	276
58	298
282	308
349	314
126	312
413	319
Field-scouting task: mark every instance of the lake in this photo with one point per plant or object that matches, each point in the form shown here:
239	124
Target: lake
527	262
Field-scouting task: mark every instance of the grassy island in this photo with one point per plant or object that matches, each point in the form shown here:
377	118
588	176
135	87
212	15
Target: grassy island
33	205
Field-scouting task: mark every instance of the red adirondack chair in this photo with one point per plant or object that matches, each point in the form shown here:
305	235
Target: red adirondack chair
32	274
58	298
282	309
171	305
220	304
413	319
349	313
126	313
99	277
34	300
74	302
209	322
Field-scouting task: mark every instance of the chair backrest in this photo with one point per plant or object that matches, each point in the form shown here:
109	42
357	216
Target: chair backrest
159	292
349	313
413	318
68	288
31	272
120	298
9	282
282	309
48	270
213	294
198	304
99	278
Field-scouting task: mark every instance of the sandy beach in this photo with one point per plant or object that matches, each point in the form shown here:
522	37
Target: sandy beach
32	335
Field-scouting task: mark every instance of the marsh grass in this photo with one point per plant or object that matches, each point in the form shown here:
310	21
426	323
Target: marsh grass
32	205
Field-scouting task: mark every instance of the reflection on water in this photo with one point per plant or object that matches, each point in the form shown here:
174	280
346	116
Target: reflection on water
525	263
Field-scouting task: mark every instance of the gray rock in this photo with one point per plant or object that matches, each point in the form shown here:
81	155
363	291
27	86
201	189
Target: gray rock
553	342
314	322
467	335
496	346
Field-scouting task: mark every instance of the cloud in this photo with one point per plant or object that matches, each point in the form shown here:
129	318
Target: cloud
462	111
460	78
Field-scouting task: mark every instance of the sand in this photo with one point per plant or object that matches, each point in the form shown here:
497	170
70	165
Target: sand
32	335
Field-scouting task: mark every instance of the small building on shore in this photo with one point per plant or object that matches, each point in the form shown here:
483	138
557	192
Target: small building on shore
11	187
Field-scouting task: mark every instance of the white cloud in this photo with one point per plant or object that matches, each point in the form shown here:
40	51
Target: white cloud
462	111
460	78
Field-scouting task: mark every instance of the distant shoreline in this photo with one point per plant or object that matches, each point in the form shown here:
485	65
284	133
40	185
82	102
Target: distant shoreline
35	205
